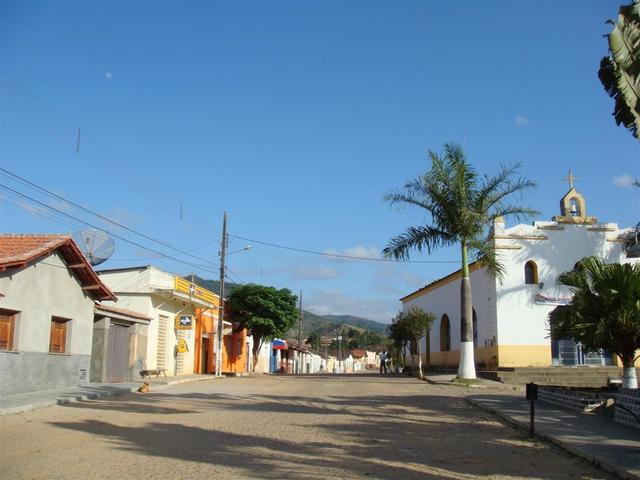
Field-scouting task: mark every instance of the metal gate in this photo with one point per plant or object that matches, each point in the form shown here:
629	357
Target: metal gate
118	354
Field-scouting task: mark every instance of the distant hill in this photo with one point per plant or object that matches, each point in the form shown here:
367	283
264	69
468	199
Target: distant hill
322	325
214	285
365	323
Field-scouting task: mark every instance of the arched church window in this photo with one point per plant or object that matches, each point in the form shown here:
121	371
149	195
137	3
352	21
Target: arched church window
445	333
530	273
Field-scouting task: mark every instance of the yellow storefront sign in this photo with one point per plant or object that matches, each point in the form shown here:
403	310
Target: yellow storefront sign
193	290
182	346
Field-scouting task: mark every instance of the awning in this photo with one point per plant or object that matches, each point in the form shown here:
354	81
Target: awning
279	345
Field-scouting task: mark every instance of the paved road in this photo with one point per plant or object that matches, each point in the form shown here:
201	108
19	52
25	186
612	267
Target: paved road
278	427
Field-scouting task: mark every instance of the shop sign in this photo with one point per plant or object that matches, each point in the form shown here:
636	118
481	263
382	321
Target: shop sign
184	322
182	346
193	290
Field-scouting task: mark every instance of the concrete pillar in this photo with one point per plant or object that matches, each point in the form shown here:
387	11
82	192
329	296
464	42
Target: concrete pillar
99	350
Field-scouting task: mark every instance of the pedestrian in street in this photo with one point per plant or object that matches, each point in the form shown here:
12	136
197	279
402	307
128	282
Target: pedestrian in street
383	362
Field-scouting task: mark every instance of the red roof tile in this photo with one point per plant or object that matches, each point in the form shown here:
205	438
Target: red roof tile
16	251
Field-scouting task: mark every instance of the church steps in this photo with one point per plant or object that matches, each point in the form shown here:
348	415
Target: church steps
592	377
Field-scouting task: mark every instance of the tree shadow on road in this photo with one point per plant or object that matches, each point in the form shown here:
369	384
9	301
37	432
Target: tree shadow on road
389	436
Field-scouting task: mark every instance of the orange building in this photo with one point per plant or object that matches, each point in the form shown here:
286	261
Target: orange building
235	350
205	334
235	353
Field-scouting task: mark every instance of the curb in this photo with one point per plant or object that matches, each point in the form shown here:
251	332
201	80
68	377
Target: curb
64	401
96	395
606	466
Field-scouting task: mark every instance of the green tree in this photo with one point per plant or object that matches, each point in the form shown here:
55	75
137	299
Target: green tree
314	340
399	339
265	312
620	72
604	311
412	325
461	206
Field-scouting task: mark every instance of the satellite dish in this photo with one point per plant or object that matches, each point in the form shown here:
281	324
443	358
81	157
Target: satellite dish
97	245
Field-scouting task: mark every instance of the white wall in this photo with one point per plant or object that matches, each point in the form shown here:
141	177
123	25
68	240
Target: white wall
44	289
446	299
134	289
521	320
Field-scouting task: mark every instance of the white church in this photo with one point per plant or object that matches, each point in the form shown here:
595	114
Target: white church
510	315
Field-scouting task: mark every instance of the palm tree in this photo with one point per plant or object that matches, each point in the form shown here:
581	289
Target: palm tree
620	73
461	206
604	311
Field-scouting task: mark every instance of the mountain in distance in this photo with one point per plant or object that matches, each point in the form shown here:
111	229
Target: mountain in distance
364	323
321	324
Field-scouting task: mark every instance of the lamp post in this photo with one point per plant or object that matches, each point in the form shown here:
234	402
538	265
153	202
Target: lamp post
339	353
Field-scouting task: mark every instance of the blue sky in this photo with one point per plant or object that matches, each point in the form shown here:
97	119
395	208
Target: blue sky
297	118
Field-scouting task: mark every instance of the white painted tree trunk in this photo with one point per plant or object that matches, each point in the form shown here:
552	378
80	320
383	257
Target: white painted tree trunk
466	367
629	379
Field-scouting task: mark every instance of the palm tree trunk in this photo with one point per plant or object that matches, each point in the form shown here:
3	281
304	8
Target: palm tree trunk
419	373
629	379
466	367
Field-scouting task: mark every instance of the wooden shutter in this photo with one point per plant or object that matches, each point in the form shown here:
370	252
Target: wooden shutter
7	324
58	338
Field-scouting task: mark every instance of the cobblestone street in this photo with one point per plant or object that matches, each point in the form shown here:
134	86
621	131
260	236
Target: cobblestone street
352	426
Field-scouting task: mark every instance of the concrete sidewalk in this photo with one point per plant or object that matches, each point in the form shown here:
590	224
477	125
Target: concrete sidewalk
613	447
31	401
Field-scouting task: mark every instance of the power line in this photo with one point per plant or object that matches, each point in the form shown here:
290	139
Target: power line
102	217
117	166
336	255
33	200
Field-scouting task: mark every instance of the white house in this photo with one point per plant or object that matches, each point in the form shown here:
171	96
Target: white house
47	295
510	316
183	318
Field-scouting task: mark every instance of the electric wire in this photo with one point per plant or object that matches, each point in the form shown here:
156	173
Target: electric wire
33	200
102	217
337	255
115	165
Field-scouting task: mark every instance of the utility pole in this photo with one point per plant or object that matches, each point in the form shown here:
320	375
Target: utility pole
300	335
223	253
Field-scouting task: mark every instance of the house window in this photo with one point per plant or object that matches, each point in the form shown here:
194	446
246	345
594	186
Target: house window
7	329
445	334
58	336
531	273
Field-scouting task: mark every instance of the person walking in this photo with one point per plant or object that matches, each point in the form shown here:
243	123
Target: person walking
383	362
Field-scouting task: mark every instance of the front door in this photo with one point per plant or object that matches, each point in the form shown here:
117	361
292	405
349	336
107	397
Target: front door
118	353
204	354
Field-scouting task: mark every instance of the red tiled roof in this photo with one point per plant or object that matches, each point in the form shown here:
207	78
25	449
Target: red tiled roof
100	307
357	353
16	251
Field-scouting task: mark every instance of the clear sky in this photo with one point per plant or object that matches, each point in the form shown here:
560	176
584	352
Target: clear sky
297	117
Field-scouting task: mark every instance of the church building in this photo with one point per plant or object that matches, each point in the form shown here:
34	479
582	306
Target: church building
510	315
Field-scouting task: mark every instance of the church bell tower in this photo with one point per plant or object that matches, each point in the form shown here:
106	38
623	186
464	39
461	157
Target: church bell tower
573	208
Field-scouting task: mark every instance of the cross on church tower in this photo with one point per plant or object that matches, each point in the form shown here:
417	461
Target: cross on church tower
570	179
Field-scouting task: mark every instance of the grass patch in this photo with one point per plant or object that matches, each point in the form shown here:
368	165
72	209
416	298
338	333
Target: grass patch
466	381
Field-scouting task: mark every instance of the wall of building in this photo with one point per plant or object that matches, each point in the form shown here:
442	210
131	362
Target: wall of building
41	290
127	280
263	364
446	300
136	352
555	248
138	294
